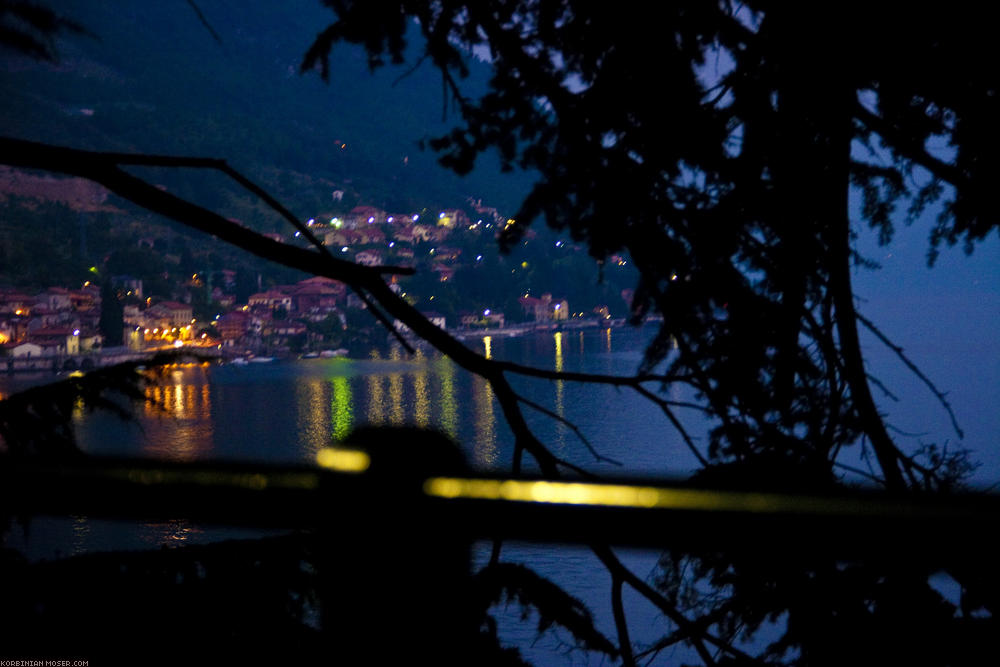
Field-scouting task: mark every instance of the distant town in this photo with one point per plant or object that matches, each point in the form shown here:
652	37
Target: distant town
110	317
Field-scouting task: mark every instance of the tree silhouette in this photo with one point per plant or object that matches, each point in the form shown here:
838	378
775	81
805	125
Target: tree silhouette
717	144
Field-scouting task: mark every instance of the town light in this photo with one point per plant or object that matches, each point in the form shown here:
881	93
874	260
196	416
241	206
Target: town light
415	218
344	249
371	220
486	313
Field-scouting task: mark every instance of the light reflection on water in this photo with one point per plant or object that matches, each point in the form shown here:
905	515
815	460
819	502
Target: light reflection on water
170	533
287	411
177	415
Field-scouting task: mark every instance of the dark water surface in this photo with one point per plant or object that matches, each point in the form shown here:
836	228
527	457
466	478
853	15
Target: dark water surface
285	411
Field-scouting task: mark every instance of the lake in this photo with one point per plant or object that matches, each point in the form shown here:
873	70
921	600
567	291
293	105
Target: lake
286	411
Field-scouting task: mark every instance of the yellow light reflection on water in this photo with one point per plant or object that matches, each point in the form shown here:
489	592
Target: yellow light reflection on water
170	533
376	402
488	344
81	533
560	393
608	335
311	421
180	426
449	410
422	404
485	449
343	460
559	351
396	416
342	408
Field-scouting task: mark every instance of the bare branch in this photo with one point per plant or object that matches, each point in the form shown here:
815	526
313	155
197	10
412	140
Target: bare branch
665	407
621	624
940	395
697	635
885	390
573	427
204	22
384	321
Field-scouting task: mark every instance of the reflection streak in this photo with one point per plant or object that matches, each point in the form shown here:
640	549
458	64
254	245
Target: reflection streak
341	405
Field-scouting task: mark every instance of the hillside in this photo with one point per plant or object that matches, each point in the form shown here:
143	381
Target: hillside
155	80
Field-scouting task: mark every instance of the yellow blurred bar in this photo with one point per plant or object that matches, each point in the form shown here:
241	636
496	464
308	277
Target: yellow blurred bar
649	497
343	460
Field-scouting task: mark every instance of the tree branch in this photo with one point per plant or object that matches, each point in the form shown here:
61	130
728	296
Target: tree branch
940	395
905	145
573	427
621	624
